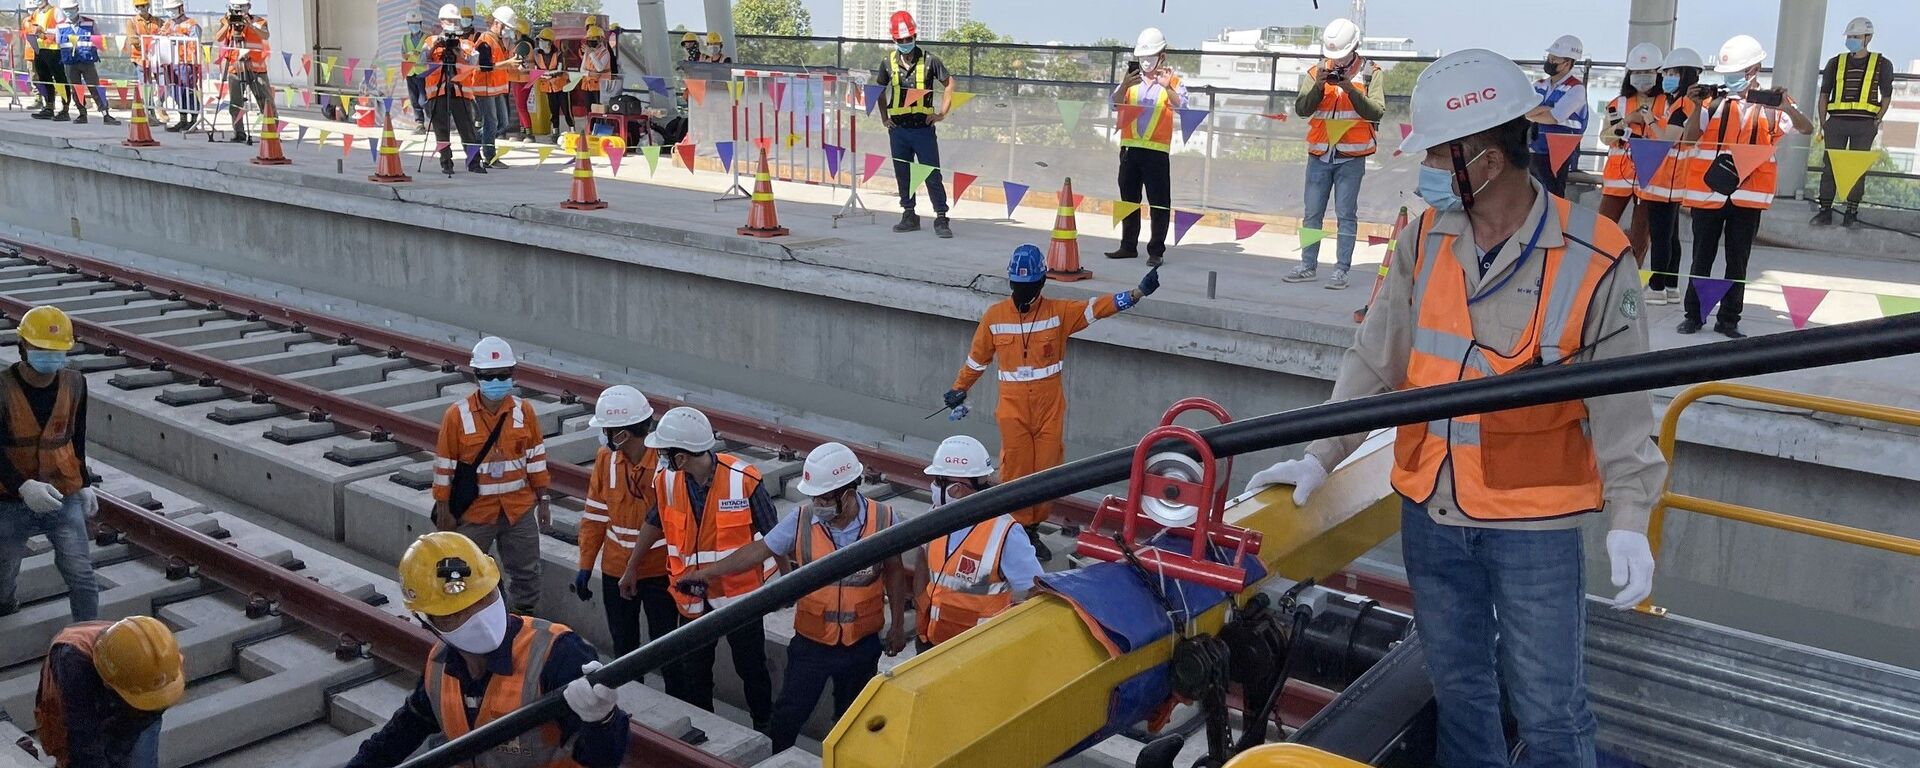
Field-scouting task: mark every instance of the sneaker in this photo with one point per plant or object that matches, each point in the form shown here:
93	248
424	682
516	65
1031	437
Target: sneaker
475	166
109	120
1339	280
1655	298
1823	218
1729	330
45	114
1123	253
80	119
1688	327
61	116
1300	274
941	228
1673	295
239	137
909	222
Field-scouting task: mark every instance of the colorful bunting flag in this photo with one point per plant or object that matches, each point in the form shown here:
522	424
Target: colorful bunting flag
914	95
834	153
873	162
373	148
960	183
697	92
793	140
1748	158
1070	112
1647	155
1801	302
1190	119
1337	129
1308	235
917	174
1129	115
1891	305
725	149
779	93
442	146
736	88
1244	228
1848	166
685	150
1122	209
1560	146
324	135
1710	290
1646	277
326	69
652	153
302	138
656	84
1013	192
957	100
546	151
872	97
614	152
1183	221
1377	240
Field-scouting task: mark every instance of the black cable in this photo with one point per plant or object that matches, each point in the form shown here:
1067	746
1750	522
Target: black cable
1793	350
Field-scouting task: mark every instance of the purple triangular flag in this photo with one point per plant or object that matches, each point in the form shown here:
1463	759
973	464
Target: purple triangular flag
1014	193
725	148
873	97
366	76
303	135
656	84
1189	120
286	58
386	106
473	151
373	148
1647	155
833	160
1183	221
1710	290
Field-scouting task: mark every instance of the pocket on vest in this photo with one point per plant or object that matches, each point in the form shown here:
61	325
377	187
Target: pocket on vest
1544	445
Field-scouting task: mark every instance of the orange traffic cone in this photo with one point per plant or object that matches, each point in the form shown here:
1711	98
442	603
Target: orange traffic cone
584	196
270	153
388	169
1063	253
762	221
1399	223
138	134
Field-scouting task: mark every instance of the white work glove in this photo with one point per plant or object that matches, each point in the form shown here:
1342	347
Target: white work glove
90	502
1632	562
1304	474
40	497
591	701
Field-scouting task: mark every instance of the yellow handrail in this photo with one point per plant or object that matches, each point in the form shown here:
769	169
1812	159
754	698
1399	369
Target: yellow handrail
1670	424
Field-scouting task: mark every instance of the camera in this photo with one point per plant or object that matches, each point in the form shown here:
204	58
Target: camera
236	18
1705	91
1771	97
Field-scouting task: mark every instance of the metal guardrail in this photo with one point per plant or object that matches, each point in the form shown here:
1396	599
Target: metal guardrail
1745	514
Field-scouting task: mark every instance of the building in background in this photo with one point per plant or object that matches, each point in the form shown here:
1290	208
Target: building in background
868	18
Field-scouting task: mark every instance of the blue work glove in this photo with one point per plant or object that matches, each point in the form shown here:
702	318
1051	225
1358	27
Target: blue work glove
580	588
1151	282
958	413
954	397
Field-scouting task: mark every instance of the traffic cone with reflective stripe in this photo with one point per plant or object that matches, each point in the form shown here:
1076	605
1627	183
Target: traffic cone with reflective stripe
1063	253
762	221
1399	223
270	153
584	196
138	134
388	170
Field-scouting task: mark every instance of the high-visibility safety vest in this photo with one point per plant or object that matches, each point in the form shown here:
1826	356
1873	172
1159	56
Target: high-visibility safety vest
1335	104
413	50
492	78
508	476
619	496
965	588
552	67
45	22
725	525
49	706
459	84
1550	95
1158	134
186	45
851	609
44	452
1617	177
1531	463
541	747
904	73
249	49
596	64
1747	123
76	40
1669	182
141	38
1866	98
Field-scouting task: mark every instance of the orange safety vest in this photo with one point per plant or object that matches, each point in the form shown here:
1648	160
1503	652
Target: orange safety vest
44	452
854	608
596	64
619	495
1335	104
1669	181
491	80
509	476
966	588
44	24
539	748
553	74
725	525
1750	124
49	709
186	52
251	48
463	70
1617	177
1158	135
141	38
1531	463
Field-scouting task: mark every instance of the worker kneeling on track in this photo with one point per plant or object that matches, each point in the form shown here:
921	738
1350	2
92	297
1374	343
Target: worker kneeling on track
836	629
1027	336
489	662
43	475
709	505
102	689
970	575
619	498
490	472
1490	525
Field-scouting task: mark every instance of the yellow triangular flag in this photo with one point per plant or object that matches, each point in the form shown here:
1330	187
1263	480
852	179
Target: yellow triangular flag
957	100
1337	129
1847	166
323	136
792	139
1646	276
545	152
1123	209
734	88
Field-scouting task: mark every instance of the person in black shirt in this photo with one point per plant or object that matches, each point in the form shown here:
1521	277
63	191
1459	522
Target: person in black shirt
910	122
1855	89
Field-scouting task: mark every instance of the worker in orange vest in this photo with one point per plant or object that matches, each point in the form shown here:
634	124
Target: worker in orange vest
490	96
1661	197
1342	101
1148	99
44	482
143	40
488	662
974	573
490	471
185	73
619	498
836	629
451	66
37	36
550	66
243	50
1028	334
1493	503
1725	204
103	687
519	80
1639	112
709	505
596	67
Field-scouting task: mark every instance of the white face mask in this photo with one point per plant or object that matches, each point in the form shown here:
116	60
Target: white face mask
824	513
482	633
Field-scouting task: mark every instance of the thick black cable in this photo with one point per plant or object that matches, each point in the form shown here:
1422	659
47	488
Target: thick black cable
1795	350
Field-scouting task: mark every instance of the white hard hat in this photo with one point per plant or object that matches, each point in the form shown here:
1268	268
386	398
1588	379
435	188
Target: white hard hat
960	456
415	17
1860	25
1464	93
173	5
1567	47
620	406
505	15
239	5
66	4
449	12
829	468
1339	39
1738	54
491	353
1683	57
1643	57
1152	41
683	428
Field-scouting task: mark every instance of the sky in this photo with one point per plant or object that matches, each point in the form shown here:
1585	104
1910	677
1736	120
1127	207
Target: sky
1524	29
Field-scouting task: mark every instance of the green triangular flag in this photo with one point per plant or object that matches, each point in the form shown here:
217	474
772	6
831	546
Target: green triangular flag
1897	305
1309	236
917	175
1070	113
652	151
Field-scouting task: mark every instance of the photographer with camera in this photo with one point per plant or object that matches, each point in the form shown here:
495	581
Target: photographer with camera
1563	109
1340	89
1639	112
243	53
451	62
1725	203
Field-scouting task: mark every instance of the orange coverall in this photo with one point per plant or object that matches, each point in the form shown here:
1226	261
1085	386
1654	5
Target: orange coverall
1029	348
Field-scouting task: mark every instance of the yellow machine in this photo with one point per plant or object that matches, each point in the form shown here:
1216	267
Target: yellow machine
1289	756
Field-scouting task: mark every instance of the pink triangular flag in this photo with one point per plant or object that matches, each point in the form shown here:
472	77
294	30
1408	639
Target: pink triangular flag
1244	228
1560	146
1749	157
873	165
960	183
614	153
779	93
914	95
1183	221
697	91
1376	240
442	146
1801	302
1709	290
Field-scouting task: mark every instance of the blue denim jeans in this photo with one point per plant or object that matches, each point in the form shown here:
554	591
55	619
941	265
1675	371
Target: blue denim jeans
1341	181
1502	611
493	122
66	530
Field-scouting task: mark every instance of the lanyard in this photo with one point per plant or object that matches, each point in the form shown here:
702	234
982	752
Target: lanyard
1531	241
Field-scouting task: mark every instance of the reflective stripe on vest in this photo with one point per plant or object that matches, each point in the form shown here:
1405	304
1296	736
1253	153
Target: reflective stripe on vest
851	609
723	527
49	706
1519	464
900	106
1617	177
1752	124
1335	104
413	47
966	588
1866	99
538	748
1159	133
44	451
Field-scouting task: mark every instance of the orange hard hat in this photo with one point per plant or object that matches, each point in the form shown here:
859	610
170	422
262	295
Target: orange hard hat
903	26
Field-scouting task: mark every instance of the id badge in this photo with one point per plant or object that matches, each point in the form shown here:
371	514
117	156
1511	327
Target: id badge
495	472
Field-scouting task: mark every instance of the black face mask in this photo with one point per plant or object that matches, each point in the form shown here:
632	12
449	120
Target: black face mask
1025	293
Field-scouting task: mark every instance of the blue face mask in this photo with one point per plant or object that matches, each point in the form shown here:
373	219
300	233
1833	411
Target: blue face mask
46	361
1855	45
495	389
903	48
1436	188
1738	82
1670	84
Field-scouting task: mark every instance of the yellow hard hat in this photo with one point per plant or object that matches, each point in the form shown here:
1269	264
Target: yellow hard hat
138	3
689	38
47	328
466	13
547	34
139	659
593	32
713	38
444	573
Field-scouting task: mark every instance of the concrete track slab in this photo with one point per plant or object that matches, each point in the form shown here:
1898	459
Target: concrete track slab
150	315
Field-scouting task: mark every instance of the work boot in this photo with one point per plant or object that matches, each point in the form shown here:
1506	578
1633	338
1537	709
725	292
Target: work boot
109	119
62	114
1688	327
1850	219
178	125
81	118
1123	252
1823	218
1154	259
43	114
941	228
1729	330
239	135
1040	549
446	165
909	222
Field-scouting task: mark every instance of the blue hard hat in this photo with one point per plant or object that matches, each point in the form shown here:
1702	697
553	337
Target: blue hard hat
1028	265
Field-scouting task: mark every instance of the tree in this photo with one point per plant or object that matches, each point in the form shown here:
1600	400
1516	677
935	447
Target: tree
532	11
966	58
787	18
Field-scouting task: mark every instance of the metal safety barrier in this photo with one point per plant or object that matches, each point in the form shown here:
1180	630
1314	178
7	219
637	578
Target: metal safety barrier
1670	425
